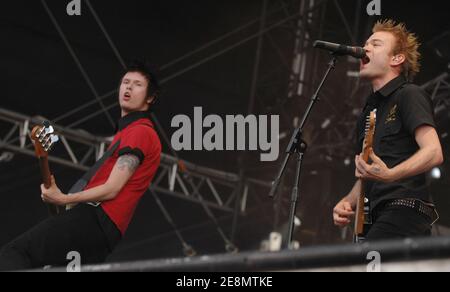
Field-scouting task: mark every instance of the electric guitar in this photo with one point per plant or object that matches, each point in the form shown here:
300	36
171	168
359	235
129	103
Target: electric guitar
44	138
363	219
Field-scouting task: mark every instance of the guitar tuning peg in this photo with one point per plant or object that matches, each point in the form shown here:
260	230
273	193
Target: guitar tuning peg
54	139
45	142
50	147
39	133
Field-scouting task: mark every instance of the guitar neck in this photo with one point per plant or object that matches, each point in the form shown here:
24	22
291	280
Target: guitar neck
47	181
366	152
359	216
45	171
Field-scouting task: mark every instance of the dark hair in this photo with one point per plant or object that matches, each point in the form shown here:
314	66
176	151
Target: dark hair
143	67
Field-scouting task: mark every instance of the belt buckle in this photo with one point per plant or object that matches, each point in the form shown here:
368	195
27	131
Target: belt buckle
434	215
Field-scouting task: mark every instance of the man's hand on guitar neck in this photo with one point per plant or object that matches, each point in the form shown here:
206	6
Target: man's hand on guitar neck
377	171
122	171
53	195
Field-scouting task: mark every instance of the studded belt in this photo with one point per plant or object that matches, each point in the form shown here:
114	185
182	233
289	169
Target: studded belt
427	209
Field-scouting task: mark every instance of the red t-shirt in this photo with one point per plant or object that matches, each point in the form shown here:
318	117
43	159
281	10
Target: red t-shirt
137	137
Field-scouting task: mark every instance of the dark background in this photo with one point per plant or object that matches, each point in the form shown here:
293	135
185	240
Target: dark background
41	77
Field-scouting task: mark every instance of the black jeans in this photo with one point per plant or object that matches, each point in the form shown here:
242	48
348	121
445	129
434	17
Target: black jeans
398	222
84	229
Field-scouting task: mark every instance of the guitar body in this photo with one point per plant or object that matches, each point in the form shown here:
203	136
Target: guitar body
366	218
44	138
363	218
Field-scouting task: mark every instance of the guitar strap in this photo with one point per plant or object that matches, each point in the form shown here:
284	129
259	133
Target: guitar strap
83	181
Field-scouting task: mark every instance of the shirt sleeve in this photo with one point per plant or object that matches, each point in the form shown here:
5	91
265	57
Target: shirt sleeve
136	141
416	109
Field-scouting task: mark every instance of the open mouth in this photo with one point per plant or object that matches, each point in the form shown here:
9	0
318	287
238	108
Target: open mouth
127	95
365	60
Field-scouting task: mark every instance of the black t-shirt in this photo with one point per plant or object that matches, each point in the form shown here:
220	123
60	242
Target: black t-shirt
401	108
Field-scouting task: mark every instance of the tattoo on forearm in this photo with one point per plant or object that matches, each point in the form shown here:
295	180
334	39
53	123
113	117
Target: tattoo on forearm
128	162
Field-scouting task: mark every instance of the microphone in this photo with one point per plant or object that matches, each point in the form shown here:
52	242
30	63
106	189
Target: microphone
341	50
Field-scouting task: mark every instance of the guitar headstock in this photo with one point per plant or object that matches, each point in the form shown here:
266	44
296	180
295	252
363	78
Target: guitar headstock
44	138
369	134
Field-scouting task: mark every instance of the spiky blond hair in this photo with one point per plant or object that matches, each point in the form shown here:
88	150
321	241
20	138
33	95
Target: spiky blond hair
407	44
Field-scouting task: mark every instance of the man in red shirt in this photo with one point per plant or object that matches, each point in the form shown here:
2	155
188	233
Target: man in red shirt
93	229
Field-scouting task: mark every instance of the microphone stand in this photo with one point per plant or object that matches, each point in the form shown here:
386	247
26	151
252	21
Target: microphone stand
298	146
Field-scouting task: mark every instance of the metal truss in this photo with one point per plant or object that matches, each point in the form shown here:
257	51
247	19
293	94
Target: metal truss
332	134
210	188
281	60
79	150
280	77
439	90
